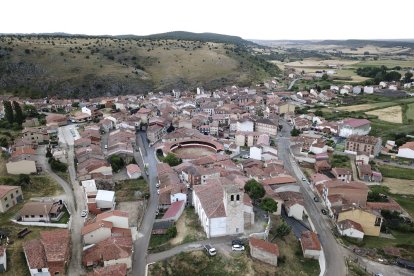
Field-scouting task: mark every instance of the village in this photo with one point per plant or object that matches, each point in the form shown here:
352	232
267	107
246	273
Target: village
226	171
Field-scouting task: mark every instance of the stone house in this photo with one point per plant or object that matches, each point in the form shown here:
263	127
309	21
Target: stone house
264	251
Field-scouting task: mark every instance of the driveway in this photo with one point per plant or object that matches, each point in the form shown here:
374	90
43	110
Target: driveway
297	226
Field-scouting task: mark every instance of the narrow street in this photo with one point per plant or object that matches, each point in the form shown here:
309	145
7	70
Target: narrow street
335	263
144	232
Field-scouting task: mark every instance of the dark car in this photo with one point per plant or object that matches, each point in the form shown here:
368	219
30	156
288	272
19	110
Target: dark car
316	199
238	242
324	211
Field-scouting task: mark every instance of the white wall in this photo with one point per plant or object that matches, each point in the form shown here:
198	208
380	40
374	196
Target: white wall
178	197
314	254
218	227
118	221
406	153
3	259
96	236
245	126
256	153
126	261
354	233
296	211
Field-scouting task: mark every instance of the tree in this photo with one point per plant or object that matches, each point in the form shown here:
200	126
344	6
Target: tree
295	132
19	118
30	110
319	113
407	77
8	111
282	230
117	163
268	204
49	153
254	189
325	77
172	160
23	180
172	232
57	166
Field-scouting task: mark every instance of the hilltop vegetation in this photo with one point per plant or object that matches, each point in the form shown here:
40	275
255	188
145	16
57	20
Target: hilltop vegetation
70	66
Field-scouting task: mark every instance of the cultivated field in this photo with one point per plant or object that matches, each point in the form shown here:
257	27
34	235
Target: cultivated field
320	63
362	107
391	114
409	113
399	186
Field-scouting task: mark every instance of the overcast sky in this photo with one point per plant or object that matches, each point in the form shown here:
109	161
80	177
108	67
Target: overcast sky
258	19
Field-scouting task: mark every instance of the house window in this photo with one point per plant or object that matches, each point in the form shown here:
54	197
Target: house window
232	198
26	216
7	205
17	192
32	216
5	199
41	216
237	197
12	196
378	221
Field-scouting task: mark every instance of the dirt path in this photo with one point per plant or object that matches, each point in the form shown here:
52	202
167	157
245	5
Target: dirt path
181	230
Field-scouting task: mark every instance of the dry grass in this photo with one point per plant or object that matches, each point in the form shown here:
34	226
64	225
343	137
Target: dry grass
399	186
391	114
320	63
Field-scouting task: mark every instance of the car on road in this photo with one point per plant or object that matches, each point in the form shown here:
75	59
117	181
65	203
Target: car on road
237	247
84	213
106	146
158	191
379	274
303	179
316	199
237	241
211	251
245	156
157	185
324	211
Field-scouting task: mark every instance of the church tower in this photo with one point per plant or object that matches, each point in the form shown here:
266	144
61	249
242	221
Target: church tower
234	206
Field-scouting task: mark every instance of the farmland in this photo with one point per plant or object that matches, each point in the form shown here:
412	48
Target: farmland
391	114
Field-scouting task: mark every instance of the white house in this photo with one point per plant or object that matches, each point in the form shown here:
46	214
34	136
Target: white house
406	150
357	90
351	229
245	125
354	127
220	209
295	209
256	153
86	110
96	232
105	199
311	246
3	259
368	90
133	171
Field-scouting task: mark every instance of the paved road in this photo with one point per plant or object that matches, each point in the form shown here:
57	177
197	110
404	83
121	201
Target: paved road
226	240
74	199
144	234
293	83
297	226
335	264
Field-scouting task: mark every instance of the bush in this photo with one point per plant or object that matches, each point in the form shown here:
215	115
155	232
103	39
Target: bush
117	163
268	204
172	160
254	189
57	166
172	232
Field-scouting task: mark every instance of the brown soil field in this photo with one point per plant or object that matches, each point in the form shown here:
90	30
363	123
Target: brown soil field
391	114
399	186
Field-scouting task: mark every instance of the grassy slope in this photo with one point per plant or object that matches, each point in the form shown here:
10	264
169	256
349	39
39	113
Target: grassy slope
73	66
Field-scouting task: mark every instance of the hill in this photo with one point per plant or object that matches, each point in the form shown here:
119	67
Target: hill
82	66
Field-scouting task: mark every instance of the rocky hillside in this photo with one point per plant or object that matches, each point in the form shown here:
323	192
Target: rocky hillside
81	66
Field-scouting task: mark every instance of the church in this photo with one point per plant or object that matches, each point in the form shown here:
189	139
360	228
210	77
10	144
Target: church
222	209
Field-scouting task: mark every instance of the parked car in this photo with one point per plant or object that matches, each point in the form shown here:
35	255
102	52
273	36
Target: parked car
324	211
237	247
239	242
84	213
106	146
157	185
316	199
211	251
158	191
303	179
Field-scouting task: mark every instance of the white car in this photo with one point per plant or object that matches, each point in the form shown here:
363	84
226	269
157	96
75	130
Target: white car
303	179
237	247
84	213
157	185
106	146
158	191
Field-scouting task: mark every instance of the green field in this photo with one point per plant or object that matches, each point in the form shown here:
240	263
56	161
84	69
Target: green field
409	113
395	172
387	62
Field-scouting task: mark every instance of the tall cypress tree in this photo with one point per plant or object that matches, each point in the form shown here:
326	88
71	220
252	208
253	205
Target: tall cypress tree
18	113
8	111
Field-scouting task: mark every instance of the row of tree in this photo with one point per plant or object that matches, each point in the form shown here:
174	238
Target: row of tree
13	112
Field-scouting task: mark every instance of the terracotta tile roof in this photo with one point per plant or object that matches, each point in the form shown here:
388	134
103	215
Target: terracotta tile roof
173	210
110	270
96	225
347	224
108	214
35	254
133	168
112	248
356	122
341	171
247	200
56	244
279	180
310	241
23	151
264	245
408	145
211	199
4	189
